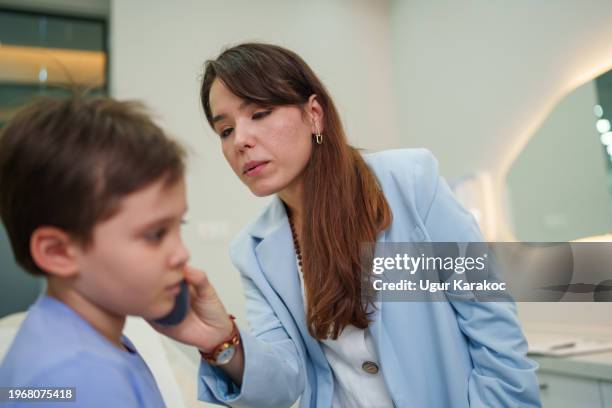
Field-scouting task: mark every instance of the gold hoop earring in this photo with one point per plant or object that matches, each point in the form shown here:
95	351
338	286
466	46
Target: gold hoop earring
319	137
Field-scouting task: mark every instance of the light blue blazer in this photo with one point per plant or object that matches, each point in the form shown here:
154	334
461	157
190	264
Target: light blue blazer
432	354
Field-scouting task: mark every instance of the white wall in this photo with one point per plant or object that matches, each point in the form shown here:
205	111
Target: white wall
475	78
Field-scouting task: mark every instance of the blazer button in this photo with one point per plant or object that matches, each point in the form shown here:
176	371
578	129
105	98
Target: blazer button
370	367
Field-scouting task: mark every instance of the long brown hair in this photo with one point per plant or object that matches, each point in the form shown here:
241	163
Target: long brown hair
344	206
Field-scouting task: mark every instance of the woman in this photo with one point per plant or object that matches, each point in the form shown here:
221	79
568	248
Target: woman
313	335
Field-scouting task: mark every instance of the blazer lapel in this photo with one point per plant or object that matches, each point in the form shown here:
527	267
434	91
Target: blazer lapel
276	256
277	260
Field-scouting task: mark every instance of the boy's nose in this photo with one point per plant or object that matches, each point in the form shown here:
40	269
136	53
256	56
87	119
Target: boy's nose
181	255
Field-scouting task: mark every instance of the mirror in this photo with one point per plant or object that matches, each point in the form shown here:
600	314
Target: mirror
559	187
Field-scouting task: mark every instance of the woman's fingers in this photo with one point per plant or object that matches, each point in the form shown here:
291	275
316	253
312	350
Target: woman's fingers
207	323
199	282
190	331
194	276
205	302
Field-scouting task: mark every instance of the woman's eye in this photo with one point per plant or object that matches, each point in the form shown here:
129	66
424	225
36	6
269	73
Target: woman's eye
226	132
261	114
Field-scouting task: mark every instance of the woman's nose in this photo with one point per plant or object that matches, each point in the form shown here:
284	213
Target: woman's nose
244	137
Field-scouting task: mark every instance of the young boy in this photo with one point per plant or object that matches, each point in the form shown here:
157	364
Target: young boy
92	195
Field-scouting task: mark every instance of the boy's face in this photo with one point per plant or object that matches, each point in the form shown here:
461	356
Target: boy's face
135	263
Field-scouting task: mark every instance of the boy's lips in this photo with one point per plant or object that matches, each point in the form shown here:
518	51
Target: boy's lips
174	289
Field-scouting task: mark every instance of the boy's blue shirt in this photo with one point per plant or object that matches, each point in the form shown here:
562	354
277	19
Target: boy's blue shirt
55	347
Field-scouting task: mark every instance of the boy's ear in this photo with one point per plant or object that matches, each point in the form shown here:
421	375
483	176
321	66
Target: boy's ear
54	252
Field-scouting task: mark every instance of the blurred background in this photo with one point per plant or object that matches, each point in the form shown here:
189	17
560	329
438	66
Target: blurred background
513	98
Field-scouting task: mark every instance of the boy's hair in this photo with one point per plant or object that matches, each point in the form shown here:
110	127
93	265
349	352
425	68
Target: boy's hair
68	163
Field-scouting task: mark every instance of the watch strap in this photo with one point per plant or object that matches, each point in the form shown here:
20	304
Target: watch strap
232	341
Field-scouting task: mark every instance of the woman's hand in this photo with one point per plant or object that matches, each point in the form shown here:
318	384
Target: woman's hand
207	323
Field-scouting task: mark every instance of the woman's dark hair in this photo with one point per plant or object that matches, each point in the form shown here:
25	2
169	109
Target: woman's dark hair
344	206
67	163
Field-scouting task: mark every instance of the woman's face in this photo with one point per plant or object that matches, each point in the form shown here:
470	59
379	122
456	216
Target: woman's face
268	147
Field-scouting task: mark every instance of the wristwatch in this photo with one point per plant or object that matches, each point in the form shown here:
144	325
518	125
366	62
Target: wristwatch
223	352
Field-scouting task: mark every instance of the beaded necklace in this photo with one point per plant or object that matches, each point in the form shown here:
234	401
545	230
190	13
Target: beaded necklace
296	243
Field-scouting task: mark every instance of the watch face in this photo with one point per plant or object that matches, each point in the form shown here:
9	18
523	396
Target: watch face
226	355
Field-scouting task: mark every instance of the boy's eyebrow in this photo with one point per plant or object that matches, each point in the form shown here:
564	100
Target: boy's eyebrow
162	221
222	116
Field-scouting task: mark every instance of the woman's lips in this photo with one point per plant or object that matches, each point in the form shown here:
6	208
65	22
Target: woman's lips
255	169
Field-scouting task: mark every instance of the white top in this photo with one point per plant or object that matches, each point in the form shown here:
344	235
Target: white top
354	387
